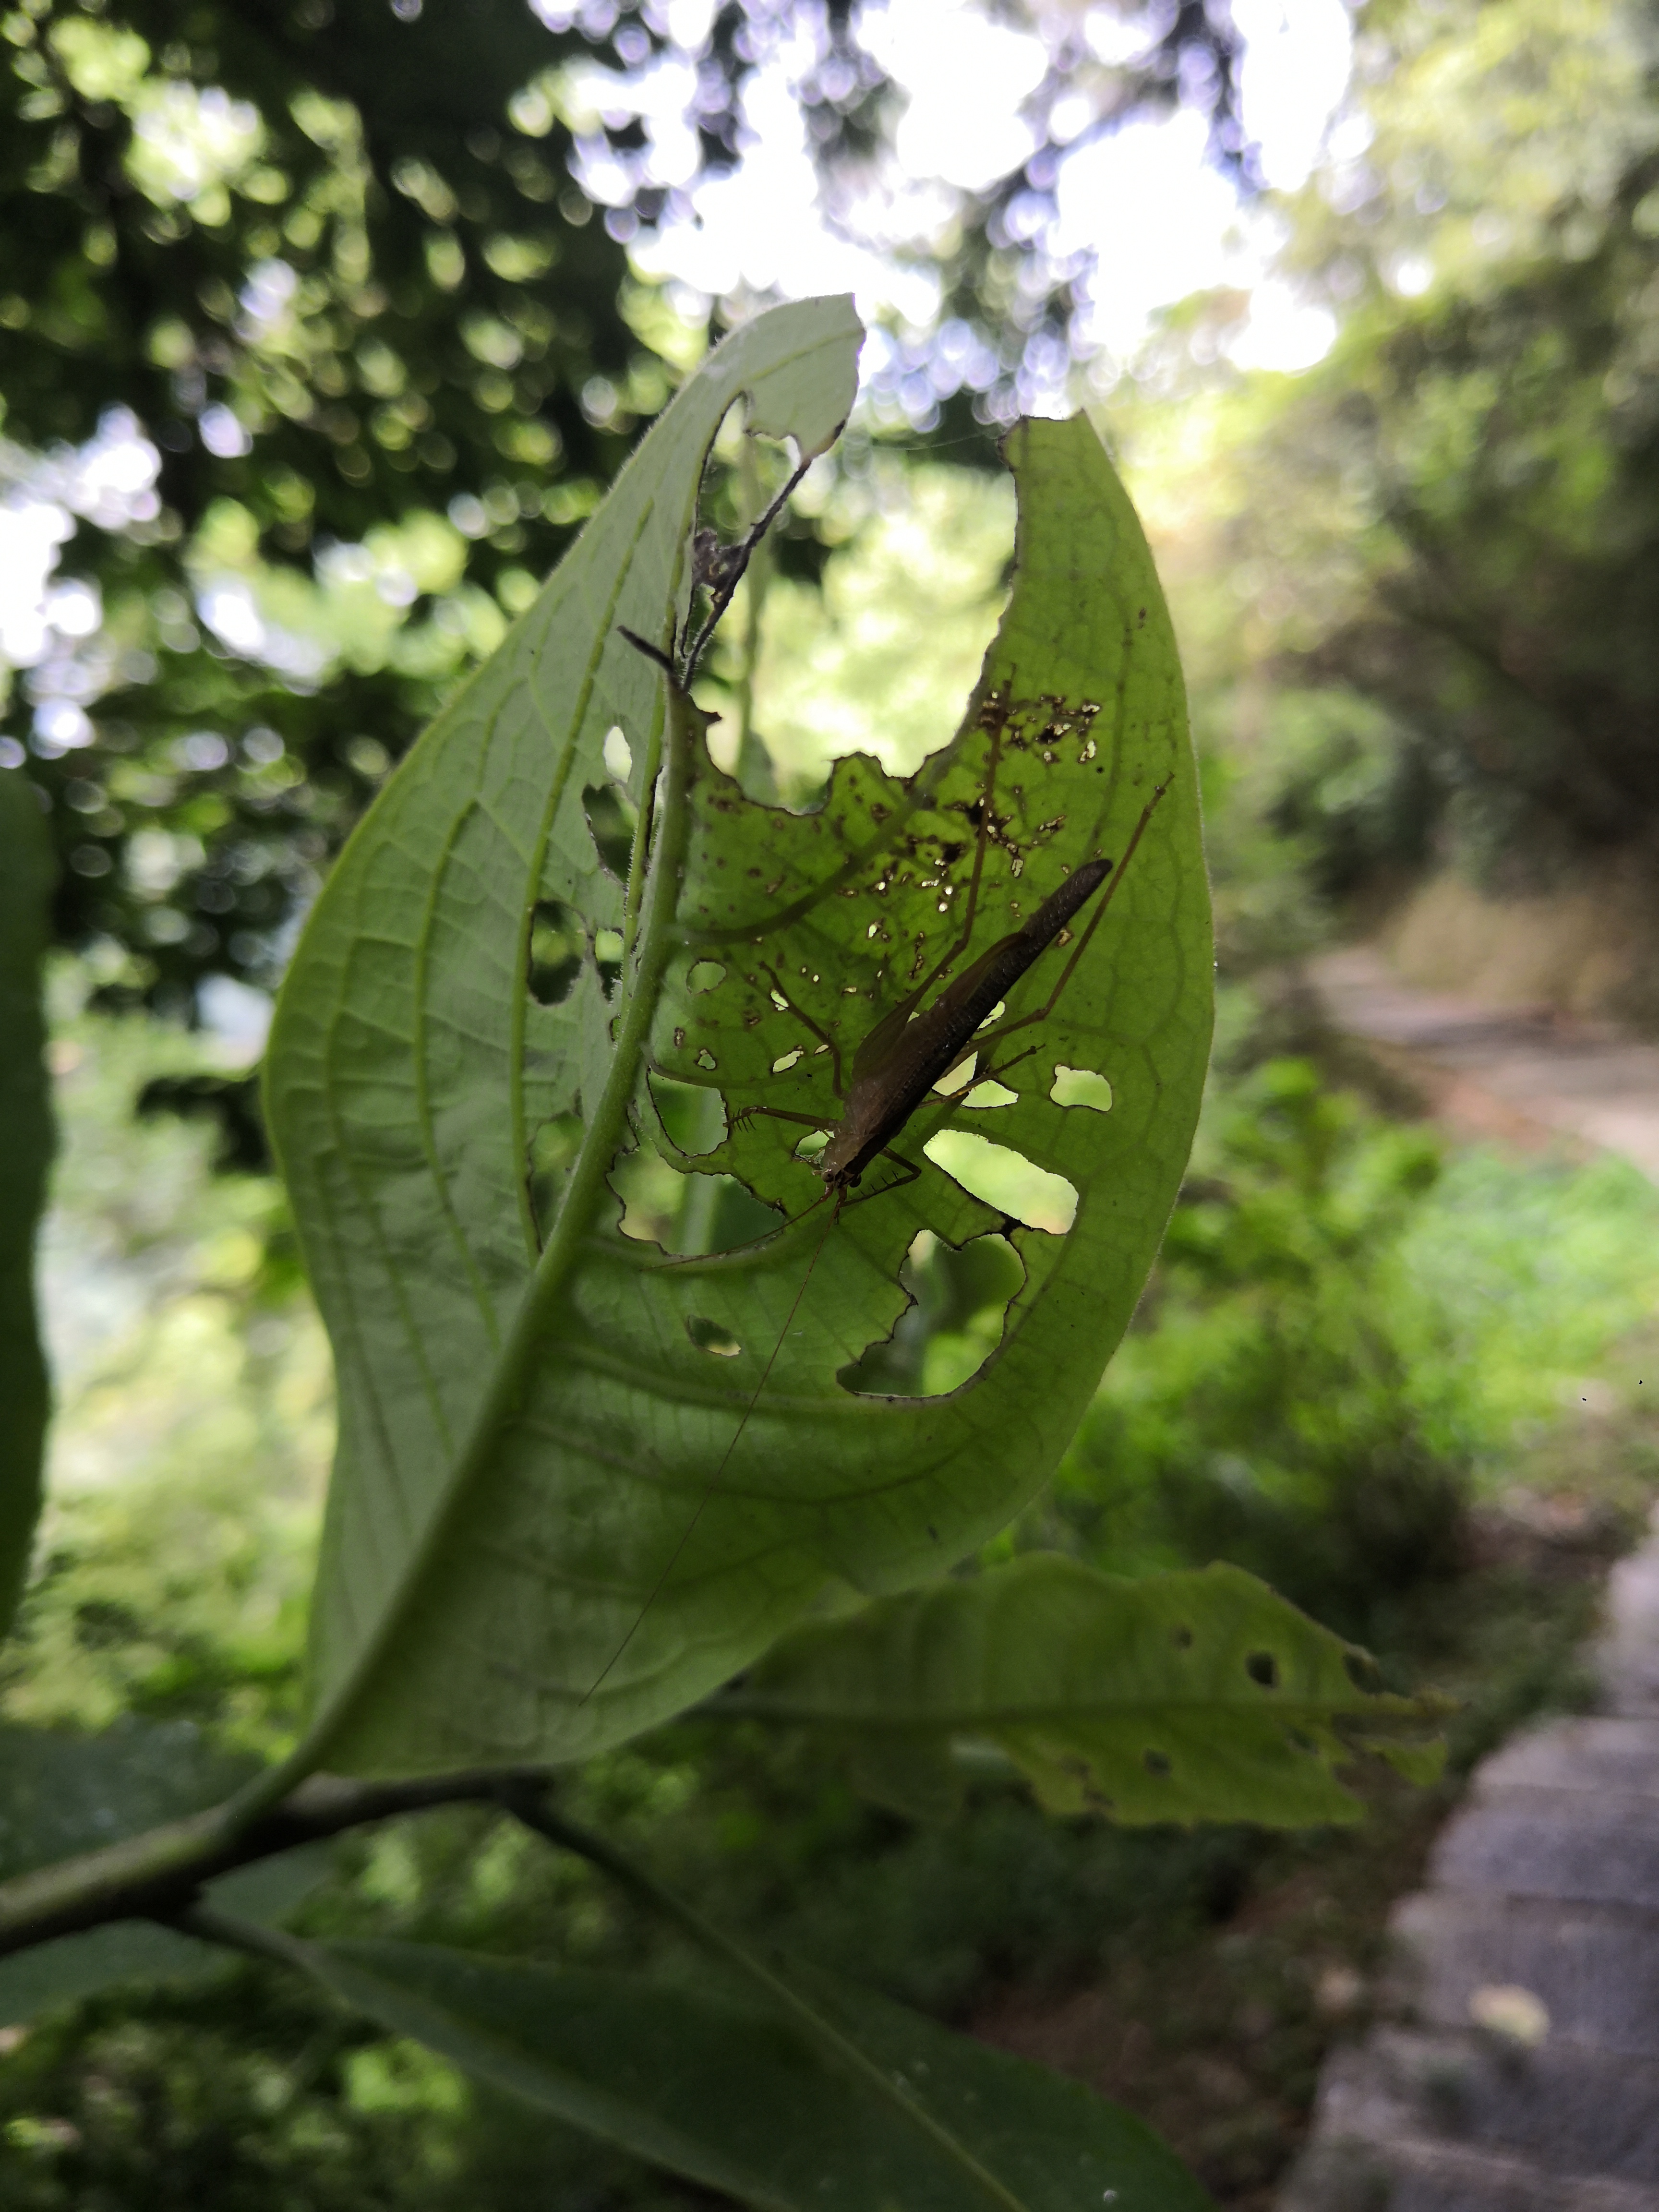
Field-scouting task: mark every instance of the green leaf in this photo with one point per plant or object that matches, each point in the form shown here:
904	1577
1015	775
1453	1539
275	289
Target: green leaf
61	1794
560	1511
1184	1697
26	1144
73	1967
718	2089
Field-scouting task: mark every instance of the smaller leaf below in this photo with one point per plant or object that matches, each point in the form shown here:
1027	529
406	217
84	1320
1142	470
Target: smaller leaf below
715	2087
1184	1697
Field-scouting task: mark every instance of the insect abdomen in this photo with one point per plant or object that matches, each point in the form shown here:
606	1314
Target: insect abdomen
882	1101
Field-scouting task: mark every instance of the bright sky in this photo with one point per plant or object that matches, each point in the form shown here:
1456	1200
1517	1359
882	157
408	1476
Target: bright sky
1159	221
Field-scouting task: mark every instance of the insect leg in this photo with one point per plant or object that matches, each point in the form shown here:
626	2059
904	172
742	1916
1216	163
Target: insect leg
664	660
995	1074
912	1173
775	1114
1042	1012
802	1016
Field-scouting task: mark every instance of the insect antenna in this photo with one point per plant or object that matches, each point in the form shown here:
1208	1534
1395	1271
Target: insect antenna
736	560
653	653
713	1482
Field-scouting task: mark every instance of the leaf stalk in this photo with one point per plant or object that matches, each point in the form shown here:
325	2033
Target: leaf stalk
158	1875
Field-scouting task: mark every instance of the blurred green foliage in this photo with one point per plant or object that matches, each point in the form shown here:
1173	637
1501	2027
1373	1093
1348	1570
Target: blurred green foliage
190	1447
330	261
1423	577
26	1143
1348	1337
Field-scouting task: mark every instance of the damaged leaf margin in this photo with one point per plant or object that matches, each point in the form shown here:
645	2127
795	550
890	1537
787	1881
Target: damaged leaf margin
1182	1696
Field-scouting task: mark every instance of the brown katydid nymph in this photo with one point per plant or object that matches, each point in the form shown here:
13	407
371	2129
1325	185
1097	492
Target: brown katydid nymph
911	1050
908	1054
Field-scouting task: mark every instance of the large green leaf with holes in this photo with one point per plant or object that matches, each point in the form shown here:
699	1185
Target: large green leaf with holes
582	1481
1184	1697
25	1154
707	2083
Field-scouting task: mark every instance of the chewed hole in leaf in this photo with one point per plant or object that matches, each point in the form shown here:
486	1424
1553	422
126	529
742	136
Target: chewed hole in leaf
1262	1666
557	939
608	956
705	976
553	1148
949	617
1081	1086
709	1336
718	1214
618	754
1155	1762
957	1078
705	1059
611	817
991	1093
651	1195
786	1060
693	1117
688	1216
812	1144
1006	1179
958	1311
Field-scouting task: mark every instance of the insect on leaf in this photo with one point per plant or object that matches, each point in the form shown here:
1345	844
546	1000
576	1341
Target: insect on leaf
565	1508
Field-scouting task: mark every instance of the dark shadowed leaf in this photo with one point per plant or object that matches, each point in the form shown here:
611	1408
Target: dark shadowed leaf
716	2089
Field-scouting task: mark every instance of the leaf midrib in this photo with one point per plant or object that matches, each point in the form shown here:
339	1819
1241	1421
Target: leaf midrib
563	1249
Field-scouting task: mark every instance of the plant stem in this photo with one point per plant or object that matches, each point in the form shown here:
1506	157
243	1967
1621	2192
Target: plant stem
531	1805
757	578
237	1934
158	1875
640	850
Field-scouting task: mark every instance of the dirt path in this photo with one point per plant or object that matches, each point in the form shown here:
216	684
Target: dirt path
1522	2074
1527	1075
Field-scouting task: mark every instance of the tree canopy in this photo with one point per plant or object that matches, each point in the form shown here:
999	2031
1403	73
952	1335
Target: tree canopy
304	252
312	330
